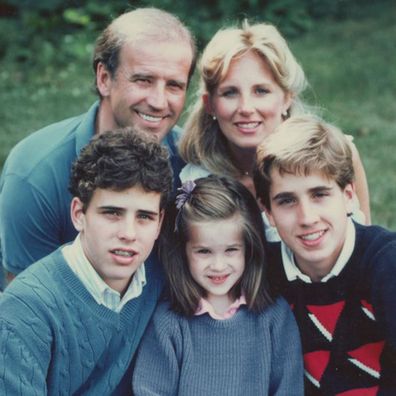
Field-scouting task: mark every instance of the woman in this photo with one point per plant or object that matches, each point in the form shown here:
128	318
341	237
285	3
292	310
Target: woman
250	83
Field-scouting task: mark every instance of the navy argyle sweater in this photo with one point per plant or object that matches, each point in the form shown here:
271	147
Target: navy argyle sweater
348	324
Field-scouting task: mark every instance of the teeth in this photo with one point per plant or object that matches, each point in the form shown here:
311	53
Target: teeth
150	118
218	277
248	125
313	236
123	253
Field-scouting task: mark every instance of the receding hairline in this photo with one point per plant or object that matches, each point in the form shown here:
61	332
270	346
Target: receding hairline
151	24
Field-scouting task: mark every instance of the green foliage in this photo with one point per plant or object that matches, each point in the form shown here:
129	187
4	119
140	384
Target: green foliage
346	48
45	23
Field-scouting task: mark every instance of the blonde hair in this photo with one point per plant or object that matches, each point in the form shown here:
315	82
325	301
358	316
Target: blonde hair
299	146
203	142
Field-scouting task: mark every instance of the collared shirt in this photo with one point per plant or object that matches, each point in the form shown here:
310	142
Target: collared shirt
100	291
206	307
293	272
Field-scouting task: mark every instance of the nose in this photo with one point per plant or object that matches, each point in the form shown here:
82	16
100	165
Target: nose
127	230
307	214
157	98
218	263
246	106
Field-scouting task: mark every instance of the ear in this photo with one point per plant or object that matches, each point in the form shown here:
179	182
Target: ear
269	216
207	104
349	196
287	101
103	79
161	219
77	214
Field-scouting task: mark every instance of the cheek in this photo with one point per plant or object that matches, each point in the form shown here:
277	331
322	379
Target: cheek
223	109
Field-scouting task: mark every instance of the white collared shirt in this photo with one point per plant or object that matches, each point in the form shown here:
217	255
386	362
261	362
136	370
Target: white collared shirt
293	272
100	291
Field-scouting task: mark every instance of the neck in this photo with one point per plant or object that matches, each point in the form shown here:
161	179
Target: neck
243	158
104	119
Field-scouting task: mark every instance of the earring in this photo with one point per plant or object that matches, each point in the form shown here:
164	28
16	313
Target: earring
285	114
214	118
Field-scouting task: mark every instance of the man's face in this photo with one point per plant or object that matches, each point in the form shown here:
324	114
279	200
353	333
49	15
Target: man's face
118	231
310	213
149	87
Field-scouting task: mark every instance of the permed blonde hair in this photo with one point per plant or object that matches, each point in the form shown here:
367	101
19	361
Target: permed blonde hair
203	143
299	146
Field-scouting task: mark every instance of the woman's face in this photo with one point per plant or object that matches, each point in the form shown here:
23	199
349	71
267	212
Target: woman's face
248	103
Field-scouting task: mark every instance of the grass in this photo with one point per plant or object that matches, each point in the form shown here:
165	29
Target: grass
349	64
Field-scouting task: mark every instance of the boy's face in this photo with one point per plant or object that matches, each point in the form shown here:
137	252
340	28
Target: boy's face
118	231
310	213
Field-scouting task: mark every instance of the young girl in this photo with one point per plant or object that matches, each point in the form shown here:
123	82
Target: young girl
221	333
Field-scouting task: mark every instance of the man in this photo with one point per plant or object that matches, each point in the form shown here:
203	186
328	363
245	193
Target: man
143	62
338	276
71	323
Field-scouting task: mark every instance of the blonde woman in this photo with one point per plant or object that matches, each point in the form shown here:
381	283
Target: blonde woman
250	82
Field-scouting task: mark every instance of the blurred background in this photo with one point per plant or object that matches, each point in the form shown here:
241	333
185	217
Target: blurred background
346	47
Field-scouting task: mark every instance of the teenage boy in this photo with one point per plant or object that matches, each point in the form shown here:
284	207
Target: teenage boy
143	62
338	276
70	324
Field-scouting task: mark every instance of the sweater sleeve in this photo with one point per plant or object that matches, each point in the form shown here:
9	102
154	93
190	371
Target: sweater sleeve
20	372
157	364
383	291
287	375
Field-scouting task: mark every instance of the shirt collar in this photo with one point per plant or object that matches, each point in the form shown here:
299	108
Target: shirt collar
100	291
293	272
205	306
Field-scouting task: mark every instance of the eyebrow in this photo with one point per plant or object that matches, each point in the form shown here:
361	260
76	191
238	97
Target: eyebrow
288	194
147	212
149	76
120	209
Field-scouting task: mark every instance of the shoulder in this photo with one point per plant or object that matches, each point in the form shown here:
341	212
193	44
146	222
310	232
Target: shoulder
46	148
278	317
374	240
38	284
192	172
172	138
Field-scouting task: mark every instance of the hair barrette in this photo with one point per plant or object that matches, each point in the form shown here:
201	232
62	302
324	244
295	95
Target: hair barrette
185	193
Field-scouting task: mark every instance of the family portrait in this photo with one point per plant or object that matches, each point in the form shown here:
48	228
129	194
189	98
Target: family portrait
198	199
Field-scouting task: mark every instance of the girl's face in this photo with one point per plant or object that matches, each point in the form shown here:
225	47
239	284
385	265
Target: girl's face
248	103
216	258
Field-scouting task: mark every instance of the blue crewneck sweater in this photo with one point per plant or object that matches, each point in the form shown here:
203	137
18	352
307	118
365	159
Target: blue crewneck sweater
56	340
248	354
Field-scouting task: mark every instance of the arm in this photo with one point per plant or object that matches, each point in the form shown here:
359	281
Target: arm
361	185
287	375
383	291
29	228
21	374
156	370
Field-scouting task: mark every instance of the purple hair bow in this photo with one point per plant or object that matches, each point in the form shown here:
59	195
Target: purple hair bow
185	193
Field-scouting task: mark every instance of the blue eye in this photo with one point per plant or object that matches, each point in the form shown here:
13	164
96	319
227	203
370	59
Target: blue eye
229	93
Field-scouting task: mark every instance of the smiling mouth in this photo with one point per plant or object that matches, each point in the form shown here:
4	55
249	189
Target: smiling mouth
123	253
247	125
312	236
217	278
150	118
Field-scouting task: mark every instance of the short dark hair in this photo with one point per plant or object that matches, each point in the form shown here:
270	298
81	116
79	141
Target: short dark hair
214	198
118	160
